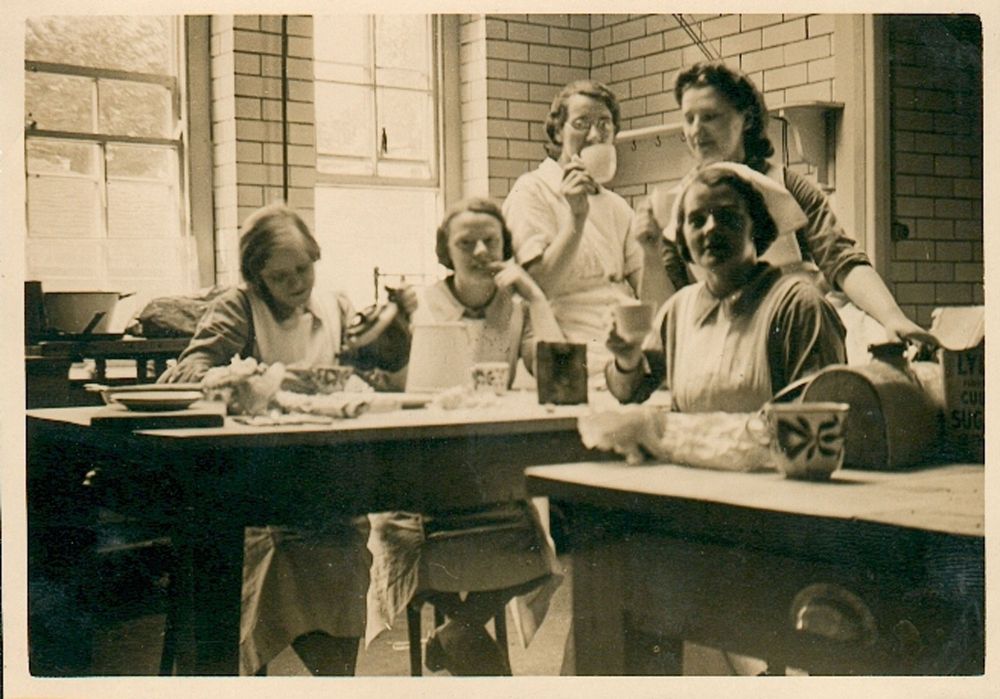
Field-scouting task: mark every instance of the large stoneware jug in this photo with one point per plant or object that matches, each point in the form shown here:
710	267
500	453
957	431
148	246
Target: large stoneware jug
440	357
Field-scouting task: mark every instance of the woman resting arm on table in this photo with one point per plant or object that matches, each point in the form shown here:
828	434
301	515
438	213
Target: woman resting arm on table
302	587
487	555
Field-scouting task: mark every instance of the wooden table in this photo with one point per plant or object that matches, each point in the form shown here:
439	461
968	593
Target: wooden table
870	573
47	363
206	484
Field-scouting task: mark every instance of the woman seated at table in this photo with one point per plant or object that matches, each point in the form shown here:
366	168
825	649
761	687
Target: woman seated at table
470	563
733	340
304	587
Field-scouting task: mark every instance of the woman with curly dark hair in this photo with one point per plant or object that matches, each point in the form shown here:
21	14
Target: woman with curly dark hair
725	119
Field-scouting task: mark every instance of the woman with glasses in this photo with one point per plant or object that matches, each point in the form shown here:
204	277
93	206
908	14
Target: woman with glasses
570	233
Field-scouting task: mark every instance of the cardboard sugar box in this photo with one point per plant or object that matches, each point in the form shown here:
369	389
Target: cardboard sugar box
961	330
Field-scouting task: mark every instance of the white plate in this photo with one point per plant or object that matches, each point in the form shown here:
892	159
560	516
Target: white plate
157	400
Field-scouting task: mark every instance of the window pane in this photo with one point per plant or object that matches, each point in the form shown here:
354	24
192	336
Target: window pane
66	265
342	48
156	266
407	118
146	162
135	43
59	102
134	109
61	157
344	120
141	210
401	41
65	207
358	229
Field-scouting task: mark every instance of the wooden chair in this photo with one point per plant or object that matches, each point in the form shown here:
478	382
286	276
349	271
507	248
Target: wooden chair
383	279
413	619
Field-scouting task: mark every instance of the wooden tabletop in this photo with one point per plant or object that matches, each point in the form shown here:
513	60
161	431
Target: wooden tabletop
517	412
947	499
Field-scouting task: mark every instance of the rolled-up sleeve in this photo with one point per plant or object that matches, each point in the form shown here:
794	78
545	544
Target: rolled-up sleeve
531	217
805	335
823	239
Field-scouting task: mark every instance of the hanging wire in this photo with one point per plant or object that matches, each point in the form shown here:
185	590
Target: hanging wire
709	52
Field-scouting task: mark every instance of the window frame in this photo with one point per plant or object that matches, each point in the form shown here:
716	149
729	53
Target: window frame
190	103
434	181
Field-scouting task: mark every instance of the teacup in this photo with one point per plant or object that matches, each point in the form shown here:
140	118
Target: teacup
490	376
601	161
330	378
807	438
633	320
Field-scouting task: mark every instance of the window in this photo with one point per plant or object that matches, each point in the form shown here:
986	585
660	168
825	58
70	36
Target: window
375	96
378	191
104	152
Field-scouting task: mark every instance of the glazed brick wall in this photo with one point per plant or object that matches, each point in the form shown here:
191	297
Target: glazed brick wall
247	124
529	57
937	168
472	90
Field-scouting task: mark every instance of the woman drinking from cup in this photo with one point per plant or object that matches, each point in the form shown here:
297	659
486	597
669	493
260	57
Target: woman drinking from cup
304	587
469	563
725	119
733	340
569	232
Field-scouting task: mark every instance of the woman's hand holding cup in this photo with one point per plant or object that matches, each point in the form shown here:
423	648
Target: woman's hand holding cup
577	185
631	324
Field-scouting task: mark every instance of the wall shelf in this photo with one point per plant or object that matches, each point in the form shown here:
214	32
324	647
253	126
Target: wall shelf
812	127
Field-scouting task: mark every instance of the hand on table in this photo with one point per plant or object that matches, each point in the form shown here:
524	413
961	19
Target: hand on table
904	329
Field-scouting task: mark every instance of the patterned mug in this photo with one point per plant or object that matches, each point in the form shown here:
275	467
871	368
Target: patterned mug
330	378
491	376
807	438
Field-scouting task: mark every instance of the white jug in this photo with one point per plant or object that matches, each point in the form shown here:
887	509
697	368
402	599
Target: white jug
440	357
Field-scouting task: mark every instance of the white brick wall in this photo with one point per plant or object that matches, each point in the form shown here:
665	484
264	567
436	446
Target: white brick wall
937	170
638	56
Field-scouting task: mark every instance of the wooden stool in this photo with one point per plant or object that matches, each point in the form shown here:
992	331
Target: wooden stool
413	610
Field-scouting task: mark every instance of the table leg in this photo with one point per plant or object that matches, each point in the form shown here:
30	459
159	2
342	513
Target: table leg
207	604
598	610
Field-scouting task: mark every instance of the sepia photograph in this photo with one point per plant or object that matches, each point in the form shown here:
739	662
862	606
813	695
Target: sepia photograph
566	350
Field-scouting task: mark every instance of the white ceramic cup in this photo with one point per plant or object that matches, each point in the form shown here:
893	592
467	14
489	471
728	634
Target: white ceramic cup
808	438
490	376
601	161
633	319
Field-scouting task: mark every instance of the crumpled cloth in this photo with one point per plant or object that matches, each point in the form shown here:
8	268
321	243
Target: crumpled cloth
336	405
716	440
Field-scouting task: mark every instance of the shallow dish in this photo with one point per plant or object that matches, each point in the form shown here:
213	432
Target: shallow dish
157	400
